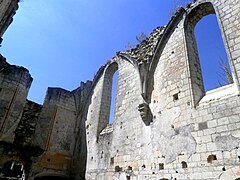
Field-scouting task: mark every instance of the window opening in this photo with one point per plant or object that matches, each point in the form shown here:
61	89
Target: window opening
214	62
113	97
108	99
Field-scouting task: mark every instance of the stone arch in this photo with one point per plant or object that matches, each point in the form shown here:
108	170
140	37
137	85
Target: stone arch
115	64
164	38
136	67
194	15
51	176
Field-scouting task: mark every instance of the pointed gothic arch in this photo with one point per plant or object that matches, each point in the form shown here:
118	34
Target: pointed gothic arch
192	19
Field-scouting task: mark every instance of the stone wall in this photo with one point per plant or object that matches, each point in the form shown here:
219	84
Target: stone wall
15	135
44	138
166	126
14	84
58	132
184	132
8	9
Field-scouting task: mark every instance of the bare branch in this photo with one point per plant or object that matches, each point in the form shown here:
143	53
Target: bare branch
225	74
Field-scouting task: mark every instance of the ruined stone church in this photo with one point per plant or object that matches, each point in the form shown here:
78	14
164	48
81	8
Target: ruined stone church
166	126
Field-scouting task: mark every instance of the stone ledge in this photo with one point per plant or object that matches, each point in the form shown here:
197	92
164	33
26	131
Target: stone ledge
219	93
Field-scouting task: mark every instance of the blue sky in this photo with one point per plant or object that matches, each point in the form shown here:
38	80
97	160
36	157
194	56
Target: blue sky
65	42
211	51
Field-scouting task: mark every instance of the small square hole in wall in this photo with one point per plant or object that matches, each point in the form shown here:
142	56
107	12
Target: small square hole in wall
118	168
184	165
129	168
224	169
202	125
211	158
161	166
112	160
175	97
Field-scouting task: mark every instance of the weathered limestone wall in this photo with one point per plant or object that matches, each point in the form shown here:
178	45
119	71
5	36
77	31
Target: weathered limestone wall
103	145
59	132
14	85
8	9
27	125
192	134
81	95
165	125
45	138
54	131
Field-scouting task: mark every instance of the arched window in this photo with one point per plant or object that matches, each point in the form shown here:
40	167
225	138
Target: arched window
215	68
113	97
108	97
203	58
